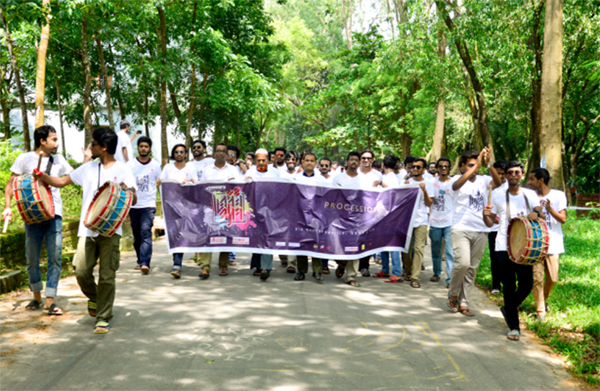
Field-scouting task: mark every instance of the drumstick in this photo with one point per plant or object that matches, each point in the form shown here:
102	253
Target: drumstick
490	195
6	220
40	160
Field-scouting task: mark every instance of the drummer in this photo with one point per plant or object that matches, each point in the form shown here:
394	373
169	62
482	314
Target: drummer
514	202
46	145
91	246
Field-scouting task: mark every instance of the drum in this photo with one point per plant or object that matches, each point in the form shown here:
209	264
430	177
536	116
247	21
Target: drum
34	199
527	240
108	209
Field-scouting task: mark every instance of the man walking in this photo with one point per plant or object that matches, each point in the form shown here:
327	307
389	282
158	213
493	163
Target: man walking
124	151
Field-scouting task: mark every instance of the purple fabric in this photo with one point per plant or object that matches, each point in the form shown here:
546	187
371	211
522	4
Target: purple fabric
279	217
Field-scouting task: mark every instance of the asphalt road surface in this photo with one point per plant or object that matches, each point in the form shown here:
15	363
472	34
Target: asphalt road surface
239	333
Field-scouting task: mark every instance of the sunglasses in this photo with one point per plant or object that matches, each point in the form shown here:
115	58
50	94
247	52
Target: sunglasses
443	166
471	165
197	147
416	167
220	151
179	152
366	158
231	155
324	165
513	173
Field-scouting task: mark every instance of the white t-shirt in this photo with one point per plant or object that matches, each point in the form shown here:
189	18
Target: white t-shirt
468	204
421	214
124	142
442	208
369	178
86	176
188	173
503	187
201	165
146	175
26	162
270	173
286	174
428	176
390	180
332	175
344	180
518	207
558	202
402	175
225	173
315	179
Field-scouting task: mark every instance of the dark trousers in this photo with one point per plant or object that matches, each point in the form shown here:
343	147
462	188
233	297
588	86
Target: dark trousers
513	274
363	263
142	221
255	261
495	266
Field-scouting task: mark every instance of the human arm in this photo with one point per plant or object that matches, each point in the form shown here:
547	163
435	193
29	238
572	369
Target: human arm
124	187
426	198
8	194
470	171
561	216
58	182
489	218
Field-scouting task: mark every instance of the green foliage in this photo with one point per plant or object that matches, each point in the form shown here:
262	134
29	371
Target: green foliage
572	327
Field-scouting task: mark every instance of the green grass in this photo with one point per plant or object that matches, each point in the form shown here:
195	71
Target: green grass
572	328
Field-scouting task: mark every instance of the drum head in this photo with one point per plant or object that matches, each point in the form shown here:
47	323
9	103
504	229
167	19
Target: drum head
98	203
517	239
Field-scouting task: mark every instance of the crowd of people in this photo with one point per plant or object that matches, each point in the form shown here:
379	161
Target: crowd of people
458	214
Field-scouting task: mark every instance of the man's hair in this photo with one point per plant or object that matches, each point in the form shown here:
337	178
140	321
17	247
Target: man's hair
42	133
251	154
515	163
308	153
500	164
353	153
409	159
430	163
175	147
467	156
144	139
234	149
290	155
443	159
542	173
421	160
325	158
219	145
367	150
282	149
262	151
202	142
106	137
377	165
390	161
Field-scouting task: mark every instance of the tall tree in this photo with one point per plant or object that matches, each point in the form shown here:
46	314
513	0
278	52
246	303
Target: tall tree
107	82
438	148
162	33
40	77
87	114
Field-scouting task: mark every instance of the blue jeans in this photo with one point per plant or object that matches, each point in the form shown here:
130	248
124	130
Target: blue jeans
385	263
51	230
232	256
266	261
142	221
177	260
436	235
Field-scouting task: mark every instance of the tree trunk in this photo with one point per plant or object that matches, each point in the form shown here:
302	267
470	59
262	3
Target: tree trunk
40	76
119	98
163	88
87	115
109	110
4	92
60	118
536	90
551	97
347	12
21	92
439	136
190	113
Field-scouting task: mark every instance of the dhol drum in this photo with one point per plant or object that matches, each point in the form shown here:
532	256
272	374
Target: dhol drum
34	199
527	240
108	209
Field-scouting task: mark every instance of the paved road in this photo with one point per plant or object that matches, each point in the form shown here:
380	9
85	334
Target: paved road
239	333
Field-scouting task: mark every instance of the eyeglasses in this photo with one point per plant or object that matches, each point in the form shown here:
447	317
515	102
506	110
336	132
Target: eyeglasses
416	167
179	152
324	165
366	158
513	173
231	155
279	154
220	151
443	166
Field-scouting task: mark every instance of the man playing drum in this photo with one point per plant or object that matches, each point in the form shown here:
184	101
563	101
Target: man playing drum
46	144
514	202
93	248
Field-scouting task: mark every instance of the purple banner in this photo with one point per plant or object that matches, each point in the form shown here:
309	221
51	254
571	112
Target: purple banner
285	217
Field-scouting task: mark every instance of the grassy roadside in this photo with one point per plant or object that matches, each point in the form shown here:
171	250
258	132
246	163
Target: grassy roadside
572	328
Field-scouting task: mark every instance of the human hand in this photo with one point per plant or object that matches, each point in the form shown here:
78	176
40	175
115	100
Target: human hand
7	214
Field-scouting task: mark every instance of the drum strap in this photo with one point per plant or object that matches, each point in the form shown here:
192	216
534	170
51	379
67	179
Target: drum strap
50	163
99	165
508	205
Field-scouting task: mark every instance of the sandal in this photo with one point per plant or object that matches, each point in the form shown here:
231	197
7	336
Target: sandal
339	272
353	283
145	270
102	327
415	284
452	305
394	280
256	273
223	272
326	270
92	307
290	269
380	275
513	335
466	311
435	278
232	263
193	260
33	305
53	310
137	267
204	274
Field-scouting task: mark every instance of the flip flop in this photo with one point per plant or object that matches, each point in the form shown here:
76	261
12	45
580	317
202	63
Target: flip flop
223	272
394	280
515	334
380	275
203	274
102	324
339	272
326	270
53	310
454	306
137	267
33	305
145	270
353	283
435	278
232	263
466	312
92	307
290	269
415	284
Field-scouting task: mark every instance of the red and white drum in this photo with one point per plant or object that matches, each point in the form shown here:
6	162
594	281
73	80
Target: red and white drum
108	209
527	240
34	199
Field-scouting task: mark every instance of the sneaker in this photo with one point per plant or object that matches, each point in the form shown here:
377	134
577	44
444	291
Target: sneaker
299	276
495	291
318	277
365	273
176	273
264	274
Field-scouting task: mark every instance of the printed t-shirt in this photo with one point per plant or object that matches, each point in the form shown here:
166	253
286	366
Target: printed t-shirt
421	214
468	204
442	208
201	165
503	187
146	175
170	171
518	207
